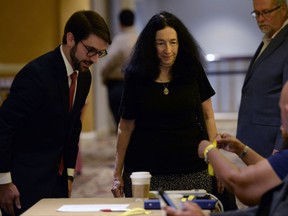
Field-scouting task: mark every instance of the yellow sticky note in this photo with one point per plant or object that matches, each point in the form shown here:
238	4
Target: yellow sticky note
191	197
210	170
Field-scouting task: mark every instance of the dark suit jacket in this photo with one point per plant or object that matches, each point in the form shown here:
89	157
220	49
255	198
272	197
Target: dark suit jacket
36	128
259	114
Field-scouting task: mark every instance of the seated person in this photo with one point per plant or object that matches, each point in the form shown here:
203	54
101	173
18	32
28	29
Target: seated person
251	182
247	183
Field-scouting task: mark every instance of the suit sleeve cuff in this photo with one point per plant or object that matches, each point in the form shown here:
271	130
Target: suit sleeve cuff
5	178
70	172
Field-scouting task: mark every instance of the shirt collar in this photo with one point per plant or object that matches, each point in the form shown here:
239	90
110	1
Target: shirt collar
265	38
69	68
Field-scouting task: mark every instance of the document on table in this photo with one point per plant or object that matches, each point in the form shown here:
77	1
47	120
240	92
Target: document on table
93	207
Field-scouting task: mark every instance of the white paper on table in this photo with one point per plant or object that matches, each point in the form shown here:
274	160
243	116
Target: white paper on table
93	207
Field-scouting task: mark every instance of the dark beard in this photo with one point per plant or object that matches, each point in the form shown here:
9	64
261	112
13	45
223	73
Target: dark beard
76	64
75	61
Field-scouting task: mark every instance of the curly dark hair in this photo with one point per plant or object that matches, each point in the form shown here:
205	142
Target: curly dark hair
144	62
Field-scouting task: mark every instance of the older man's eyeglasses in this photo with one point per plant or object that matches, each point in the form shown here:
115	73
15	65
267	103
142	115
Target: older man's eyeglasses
264	13
92	51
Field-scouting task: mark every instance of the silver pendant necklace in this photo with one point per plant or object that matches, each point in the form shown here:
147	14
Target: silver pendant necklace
165	90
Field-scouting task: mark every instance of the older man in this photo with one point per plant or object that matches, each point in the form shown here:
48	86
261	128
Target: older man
259	115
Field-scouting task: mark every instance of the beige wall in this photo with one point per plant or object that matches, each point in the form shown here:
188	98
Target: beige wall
30	28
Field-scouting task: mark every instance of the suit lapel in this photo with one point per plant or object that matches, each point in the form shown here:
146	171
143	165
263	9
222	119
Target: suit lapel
272	46
60	75
83	87
251	66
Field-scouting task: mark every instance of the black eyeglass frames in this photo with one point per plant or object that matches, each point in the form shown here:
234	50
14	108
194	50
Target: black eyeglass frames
264	13
92	51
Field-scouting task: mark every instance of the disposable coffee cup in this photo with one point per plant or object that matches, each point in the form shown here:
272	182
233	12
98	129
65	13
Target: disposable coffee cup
140	184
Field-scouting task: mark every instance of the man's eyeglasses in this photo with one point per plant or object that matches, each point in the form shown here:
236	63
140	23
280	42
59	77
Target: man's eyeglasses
92	51
264	13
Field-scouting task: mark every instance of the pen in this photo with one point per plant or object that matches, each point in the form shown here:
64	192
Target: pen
114	210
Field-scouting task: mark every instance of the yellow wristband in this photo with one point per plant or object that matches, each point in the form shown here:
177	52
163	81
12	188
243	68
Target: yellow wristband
208	148
210	170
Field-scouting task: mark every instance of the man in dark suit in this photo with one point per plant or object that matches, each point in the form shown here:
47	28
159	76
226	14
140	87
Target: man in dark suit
259	114
39	133
260	181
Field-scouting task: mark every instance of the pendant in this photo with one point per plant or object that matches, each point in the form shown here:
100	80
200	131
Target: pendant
166	91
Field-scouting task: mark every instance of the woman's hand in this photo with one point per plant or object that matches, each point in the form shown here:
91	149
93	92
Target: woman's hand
117	187
203	144
220	185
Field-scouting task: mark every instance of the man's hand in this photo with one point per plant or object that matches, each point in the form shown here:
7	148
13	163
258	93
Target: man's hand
9	196
69	187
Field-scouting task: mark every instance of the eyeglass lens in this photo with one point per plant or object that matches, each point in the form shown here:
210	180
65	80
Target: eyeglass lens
93	52
264	13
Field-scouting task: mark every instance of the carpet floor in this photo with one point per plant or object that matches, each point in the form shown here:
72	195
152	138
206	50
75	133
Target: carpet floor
95	179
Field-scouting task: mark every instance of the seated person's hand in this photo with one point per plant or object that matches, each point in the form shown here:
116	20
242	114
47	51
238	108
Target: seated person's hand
189	209
230	143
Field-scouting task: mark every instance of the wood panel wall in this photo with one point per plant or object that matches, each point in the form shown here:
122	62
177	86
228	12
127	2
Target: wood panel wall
29	28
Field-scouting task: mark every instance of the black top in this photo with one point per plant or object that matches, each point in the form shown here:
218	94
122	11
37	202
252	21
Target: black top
166	134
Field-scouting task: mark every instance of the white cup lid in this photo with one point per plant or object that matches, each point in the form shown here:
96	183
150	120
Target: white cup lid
140	175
